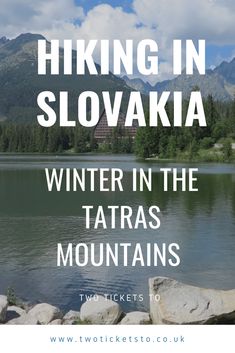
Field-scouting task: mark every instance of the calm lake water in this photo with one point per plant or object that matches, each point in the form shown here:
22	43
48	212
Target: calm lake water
33	221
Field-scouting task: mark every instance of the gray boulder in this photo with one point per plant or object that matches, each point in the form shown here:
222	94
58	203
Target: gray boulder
136	318
24	319
16	309
3	308
71	317
185	304
14	312
100	311
45	313
56	322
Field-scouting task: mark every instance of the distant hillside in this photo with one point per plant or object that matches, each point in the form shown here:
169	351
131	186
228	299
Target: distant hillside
220	83
3	40
138	84
20	84
227	71
210	84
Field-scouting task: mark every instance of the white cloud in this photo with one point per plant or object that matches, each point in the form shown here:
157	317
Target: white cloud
20	16
162	20
106	22
208	19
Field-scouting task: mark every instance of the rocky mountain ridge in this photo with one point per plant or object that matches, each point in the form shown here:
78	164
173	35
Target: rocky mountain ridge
220	83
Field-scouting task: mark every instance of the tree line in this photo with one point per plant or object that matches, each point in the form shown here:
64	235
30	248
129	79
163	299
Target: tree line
32	138
163	142
191	142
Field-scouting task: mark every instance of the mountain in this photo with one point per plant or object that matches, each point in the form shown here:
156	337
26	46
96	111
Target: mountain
220	83
20	84
3	40
210	84
227	71
138	84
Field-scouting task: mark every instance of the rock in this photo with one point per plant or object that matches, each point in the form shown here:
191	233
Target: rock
26	306
184	304
136	318
16	309
24	320
100	311
56	322
71	317
3	307
45	313
14	312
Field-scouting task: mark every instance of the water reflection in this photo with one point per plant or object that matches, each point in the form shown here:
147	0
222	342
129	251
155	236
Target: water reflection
33	221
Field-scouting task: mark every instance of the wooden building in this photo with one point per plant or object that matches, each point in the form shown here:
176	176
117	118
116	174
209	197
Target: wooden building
102	131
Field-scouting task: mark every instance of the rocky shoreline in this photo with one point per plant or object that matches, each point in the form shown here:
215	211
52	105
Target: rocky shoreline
178	303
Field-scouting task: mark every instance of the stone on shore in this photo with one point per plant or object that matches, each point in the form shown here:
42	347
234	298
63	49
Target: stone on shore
100	311
13	312
136	318
185	304
24	319
71	317
45	313
3	308
56	322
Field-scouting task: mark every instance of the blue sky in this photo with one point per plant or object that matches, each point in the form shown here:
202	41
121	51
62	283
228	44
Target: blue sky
161	20
89	4
216	54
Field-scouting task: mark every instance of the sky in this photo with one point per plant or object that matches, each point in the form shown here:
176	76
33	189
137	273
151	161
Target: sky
161	20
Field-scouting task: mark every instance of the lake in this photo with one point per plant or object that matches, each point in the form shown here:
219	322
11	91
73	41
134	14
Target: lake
33	221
